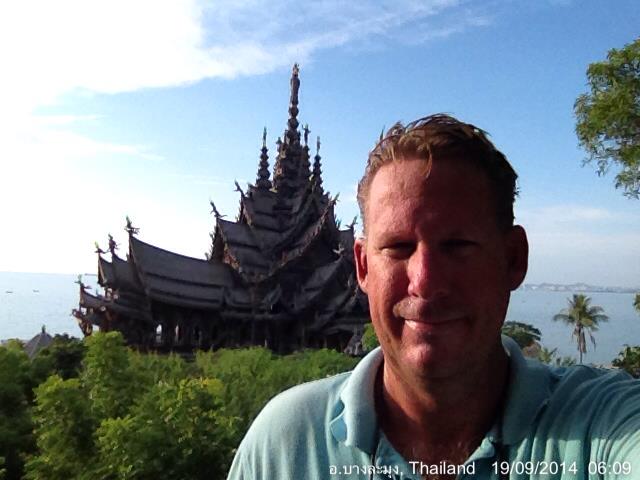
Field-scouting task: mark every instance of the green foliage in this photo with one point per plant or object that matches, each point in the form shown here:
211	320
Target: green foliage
369	338
251	377
314	364
106	412
550	357
248	376
64	429
16	384
149	369
629	360
176	431
523	333
110	382
608	116
62	357
583	317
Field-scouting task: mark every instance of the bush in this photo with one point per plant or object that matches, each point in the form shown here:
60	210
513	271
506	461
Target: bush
176	431
369	338
629	360
120	414
64	429
16	384
62	357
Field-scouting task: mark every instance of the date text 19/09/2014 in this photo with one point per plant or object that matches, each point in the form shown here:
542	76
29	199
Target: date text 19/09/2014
554	468
503	467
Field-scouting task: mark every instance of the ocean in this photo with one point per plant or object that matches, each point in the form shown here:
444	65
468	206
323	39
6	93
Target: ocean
30	300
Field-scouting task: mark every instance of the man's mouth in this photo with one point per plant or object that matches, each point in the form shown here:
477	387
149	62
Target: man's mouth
428	316
432	327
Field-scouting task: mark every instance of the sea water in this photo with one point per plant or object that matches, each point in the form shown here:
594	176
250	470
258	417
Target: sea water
30	300
537	307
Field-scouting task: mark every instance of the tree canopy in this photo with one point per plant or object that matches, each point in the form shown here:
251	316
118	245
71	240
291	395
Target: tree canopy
122	414
629	360
608	116
369	338
523	333
583	317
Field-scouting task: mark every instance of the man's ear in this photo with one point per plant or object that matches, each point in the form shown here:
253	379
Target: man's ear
360	255
518	255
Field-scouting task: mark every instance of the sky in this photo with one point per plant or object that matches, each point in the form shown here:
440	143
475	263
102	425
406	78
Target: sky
153	108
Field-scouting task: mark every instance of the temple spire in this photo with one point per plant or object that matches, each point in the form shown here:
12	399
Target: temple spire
317	171
292	134
263	181
287	168
304	164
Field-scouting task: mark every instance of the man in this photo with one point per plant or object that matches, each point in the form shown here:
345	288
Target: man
445	396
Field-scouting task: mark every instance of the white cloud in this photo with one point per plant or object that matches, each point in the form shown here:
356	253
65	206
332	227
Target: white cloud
51	50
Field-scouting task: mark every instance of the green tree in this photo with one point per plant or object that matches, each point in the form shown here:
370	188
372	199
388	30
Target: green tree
629	360
583	317
110	382
369	338
252	376
550	357
64	429
16	384
150	368
175	431
524	334
63	357
608	116
313	364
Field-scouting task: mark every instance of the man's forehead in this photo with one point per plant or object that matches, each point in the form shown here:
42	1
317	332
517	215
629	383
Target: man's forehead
410	176
417	187
391	180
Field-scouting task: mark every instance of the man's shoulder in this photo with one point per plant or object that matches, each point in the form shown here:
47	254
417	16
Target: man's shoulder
595	398
583	379
302	405
292	424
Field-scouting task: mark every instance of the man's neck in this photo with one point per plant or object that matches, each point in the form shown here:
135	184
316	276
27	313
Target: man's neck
441	419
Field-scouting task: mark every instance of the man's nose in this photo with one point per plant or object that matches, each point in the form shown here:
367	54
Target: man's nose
428	274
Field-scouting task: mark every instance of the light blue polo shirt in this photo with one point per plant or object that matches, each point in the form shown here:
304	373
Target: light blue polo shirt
558	423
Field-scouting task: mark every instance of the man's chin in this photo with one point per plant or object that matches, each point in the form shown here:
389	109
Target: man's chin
433	359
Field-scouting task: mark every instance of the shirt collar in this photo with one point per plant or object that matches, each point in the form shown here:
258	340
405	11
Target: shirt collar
354	421
528	391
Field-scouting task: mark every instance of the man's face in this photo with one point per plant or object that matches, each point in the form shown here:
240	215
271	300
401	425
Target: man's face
437	269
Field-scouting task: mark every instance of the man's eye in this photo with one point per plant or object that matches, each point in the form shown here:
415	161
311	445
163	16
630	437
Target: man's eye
399	249
459	244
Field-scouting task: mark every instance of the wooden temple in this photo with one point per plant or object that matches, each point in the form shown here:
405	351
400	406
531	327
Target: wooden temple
281	276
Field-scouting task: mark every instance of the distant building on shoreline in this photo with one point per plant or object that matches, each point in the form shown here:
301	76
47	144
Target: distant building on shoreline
281	276
38	342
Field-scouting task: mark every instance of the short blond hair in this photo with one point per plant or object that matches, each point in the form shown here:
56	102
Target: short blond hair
443	136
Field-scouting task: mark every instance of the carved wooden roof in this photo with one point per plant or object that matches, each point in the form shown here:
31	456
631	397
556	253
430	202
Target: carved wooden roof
284	258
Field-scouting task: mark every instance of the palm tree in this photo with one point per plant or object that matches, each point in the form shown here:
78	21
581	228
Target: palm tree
583	317
524	334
